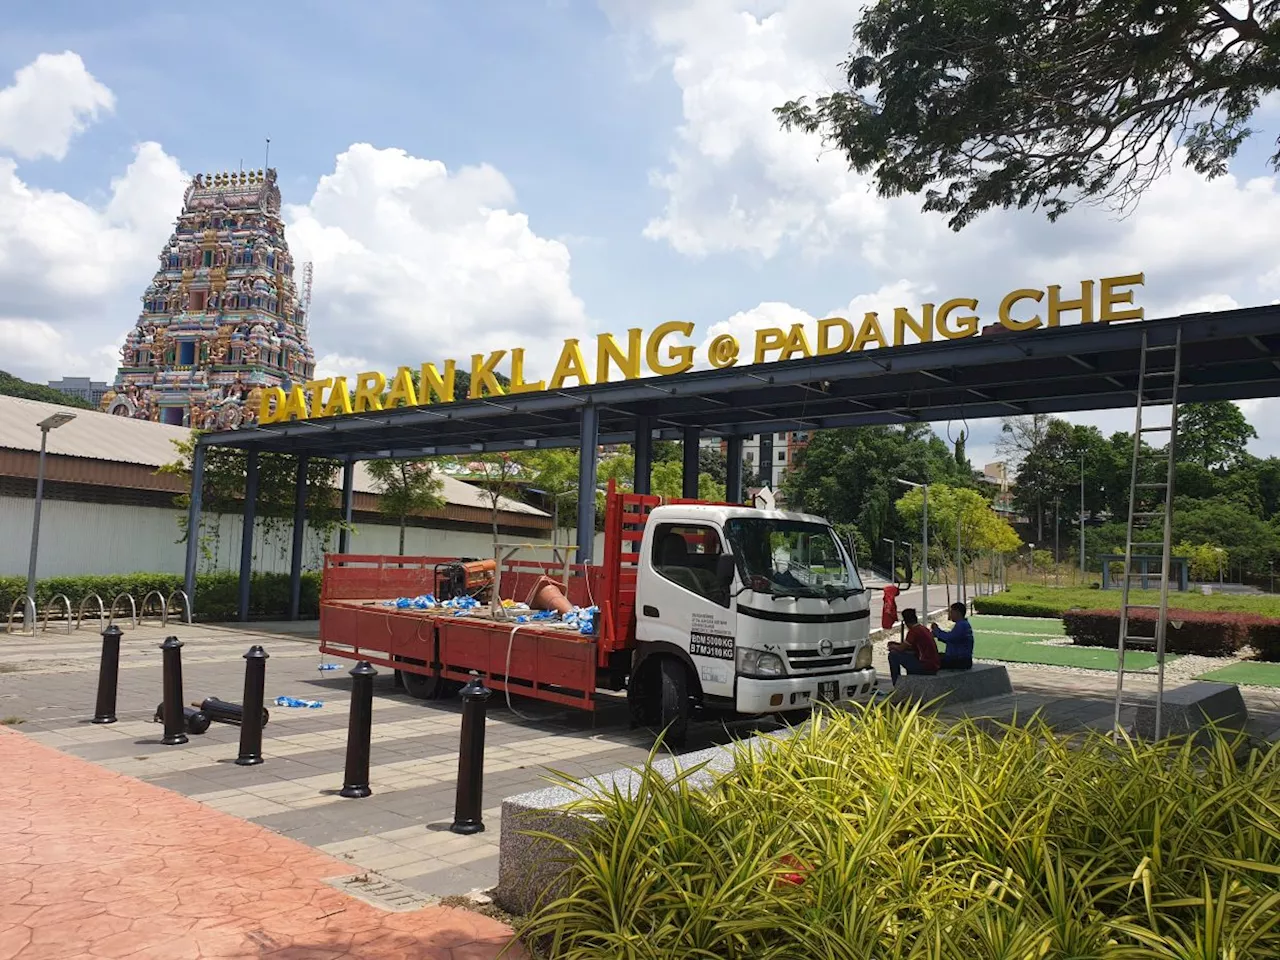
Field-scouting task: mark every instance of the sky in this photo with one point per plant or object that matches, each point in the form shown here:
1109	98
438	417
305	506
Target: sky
468	177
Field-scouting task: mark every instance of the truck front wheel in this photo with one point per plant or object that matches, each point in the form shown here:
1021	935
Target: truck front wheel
673	707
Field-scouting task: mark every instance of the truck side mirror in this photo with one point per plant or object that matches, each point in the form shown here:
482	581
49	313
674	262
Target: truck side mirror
725	567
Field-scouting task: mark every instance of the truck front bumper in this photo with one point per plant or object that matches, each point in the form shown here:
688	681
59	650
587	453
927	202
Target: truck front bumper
799	693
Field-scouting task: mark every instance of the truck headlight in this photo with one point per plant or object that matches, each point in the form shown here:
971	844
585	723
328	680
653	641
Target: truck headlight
863	659
759	663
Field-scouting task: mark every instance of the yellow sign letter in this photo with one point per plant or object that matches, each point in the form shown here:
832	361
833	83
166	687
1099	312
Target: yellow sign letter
902	320
483	382
402	392
797	343
966	326
271	405
571	364
316	389
339	398
369	387
870	330
1007	304
824	341
431	381
607	350
1111	298
768	339
517	375
681	357
1058	306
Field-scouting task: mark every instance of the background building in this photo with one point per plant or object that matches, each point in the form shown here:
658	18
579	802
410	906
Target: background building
223	316
82	388
107	510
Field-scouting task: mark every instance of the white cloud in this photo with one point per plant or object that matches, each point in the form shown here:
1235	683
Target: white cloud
415	263
72	273
51	100
736	183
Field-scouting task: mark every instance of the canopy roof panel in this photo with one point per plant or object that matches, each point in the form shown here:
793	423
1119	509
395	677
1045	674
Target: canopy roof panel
1228	355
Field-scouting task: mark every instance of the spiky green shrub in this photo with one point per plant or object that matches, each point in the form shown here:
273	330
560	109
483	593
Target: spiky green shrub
885	834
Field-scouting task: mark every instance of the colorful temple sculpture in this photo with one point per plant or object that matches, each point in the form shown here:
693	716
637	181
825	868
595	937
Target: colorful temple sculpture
223	317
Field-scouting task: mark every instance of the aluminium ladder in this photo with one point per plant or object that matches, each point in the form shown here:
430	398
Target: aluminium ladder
1155	386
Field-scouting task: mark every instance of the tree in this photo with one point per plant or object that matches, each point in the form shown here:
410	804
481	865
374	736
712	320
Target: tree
668	482
1214	435
958	512
978	104
223	492
849	476
497	475
712	461
406	487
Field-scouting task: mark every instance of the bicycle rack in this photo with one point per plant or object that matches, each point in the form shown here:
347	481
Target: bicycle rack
164	608
133	609
48	609
102	610
28	622
186	604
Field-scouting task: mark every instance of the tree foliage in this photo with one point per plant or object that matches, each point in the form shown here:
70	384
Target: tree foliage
406	488
1214	435
981	104
11	386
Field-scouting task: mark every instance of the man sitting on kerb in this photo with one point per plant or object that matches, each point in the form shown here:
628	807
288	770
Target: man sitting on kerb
958	640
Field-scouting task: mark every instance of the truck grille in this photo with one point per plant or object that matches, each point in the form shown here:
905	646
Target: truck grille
807	661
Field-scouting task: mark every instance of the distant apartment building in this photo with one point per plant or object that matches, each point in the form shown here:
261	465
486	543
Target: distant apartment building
998	474
90	391
768	456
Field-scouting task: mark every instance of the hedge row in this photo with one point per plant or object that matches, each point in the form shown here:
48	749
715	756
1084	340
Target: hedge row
217	594
1204	633
1002	605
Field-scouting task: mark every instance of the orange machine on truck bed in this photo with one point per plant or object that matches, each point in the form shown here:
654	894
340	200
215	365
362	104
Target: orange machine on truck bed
700	606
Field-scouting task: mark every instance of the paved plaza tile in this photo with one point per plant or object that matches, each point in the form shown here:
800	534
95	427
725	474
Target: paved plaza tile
399	836
98	864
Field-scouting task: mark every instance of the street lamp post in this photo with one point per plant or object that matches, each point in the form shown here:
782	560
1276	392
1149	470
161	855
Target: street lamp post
1082	570
45	425
924	543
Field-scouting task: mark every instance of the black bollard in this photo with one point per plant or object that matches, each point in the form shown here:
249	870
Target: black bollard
174	720
359	731
108	676
255	678
466	811
196	720
221	711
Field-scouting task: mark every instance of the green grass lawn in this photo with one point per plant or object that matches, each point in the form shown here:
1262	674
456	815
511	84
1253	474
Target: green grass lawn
1021	640
1249	672
1038	601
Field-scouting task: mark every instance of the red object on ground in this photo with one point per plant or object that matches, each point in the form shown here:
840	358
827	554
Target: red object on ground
795	879
889	614
97	864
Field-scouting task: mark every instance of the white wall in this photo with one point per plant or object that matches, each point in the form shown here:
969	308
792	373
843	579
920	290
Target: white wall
92	538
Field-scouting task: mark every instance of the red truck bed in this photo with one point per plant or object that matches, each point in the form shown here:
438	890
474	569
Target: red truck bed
547	662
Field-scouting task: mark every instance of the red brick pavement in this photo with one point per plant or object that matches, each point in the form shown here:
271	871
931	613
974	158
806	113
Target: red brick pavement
96	864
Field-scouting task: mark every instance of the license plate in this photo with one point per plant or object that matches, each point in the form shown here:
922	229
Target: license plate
829	690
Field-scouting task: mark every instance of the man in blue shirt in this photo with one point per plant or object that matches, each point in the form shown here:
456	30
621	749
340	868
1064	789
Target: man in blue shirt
958	640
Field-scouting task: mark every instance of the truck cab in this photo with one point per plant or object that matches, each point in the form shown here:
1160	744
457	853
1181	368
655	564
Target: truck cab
744	611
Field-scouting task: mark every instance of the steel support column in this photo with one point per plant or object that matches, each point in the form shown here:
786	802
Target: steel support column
690	474
733	470
588	461
348	502
193	526
246	534
299	531
643	455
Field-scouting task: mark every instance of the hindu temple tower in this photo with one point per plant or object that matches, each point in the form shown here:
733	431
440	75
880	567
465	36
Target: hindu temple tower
222	318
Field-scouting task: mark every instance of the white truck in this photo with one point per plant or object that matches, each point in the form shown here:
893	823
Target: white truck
705	609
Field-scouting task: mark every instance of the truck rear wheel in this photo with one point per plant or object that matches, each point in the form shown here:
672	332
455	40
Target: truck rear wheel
424	686
673	696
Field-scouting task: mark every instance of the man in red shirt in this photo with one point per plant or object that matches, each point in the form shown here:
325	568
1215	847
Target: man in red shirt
917	653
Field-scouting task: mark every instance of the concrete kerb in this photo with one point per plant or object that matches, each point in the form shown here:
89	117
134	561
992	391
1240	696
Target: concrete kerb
1193	707
531	867
980	682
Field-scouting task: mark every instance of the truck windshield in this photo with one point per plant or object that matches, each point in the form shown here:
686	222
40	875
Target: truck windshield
791	558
